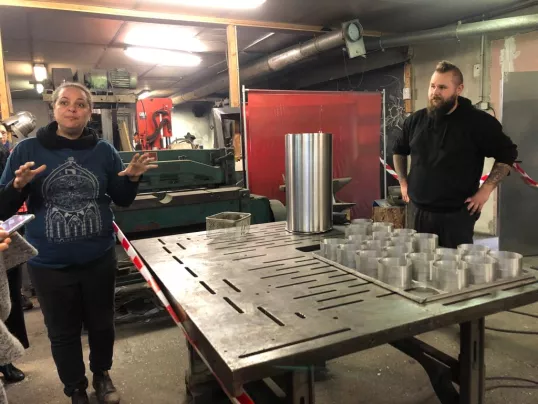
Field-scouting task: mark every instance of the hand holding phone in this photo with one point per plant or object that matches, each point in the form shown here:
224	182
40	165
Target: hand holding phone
15	222
4	240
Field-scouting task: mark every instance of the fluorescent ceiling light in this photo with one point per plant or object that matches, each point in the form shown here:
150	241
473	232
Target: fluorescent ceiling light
164	37
143	94
39	88
163	57
232	4
40	72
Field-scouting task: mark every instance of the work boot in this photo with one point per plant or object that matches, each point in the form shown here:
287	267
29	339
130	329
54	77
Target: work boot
11	373
80	397
26	302
104	389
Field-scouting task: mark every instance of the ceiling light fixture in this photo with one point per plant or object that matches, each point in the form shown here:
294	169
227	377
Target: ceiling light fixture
39	88
231	4
163	57
164	37
40	72
143	94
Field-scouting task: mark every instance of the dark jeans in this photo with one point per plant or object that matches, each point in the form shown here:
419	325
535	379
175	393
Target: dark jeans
453	228
15	322
73	296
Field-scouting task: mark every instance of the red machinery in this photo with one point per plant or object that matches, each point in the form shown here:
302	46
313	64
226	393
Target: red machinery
154	122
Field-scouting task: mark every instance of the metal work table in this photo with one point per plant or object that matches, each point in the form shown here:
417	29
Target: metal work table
263	306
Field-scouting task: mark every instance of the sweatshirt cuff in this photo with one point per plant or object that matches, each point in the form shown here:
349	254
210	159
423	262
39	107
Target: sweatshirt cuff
13	193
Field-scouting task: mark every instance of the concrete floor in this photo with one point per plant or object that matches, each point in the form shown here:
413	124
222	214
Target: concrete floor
150	361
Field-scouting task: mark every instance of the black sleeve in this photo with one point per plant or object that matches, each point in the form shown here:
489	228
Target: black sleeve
11	199
401	144
121	189
493	142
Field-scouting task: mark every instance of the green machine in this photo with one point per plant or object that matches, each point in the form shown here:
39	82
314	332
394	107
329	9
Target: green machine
188	186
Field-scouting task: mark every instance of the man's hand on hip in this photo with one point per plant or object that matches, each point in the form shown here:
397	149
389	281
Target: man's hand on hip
478	200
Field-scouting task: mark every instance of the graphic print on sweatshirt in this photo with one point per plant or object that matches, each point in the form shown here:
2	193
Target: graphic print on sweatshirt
70	193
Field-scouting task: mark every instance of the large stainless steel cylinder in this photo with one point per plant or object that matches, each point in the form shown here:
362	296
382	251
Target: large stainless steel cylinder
309	193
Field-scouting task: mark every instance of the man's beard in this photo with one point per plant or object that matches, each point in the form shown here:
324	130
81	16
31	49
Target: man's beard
443	108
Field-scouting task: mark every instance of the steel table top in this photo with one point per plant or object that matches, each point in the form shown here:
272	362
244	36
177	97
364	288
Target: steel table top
262	302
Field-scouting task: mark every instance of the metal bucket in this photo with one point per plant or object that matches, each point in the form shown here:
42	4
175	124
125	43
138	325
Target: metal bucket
473	249
329	246
309	192
381	235
482	269
425	242
447	254
345	255
422	266
450	276
382	226
360	229
407	242
397	251
403	232
510	263
367	261
396	272
358	239
375	244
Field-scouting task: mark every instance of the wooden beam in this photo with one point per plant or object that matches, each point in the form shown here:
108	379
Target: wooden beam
152	16
233	66
4	92
408	88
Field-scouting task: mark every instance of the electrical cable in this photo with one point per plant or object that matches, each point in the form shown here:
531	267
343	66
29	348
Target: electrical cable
507	386
345	68
521	313
519	332
512	379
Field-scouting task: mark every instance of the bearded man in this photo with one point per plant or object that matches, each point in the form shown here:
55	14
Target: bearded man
447	142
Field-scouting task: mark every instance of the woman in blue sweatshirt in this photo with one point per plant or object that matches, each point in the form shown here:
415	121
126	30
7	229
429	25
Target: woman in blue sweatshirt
68	177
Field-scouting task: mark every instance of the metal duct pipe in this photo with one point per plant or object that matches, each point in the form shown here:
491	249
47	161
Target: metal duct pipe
458	31
272	63
334	39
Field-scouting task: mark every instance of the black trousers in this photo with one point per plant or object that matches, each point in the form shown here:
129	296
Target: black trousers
453	228
73	296
15	322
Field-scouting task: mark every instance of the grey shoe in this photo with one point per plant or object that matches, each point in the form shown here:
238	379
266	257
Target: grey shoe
80	397
104	389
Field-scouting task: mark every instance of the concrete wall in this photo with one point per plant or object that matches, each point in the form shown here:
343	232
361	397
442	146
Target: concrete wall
183	121
465	54
37	107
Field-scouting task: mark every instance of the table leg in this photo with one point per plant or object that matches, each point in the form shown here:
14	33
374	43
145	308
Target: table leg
294	387
472	366
201	386
302	386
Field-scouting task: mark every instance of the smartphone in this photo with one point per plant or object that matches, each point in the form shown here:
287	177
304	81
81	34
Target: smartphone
14	223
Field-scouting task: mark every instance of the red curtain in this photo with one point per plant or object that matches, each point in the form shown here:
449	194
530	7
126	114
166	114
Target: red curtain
353	118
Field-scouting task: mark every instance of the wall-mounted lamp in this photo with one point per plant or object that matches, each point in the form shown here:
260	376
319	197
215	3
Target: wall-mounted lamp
40	72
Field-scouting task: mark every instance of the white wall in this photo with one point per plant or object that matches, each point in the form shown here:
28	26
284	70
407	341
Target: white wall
465	54
183	121
39	108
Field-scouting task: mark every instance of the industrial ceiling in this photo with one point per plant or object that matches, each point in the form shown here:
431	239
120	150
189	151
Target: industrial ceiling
85	41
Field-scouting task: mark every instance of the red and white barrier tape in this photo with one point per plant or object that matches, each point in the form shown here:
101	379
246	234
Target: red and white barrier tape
524	176
139	264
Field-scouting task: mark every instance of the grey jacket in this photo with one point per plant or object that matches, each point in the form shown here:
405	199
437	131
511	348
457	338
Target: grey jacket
19	251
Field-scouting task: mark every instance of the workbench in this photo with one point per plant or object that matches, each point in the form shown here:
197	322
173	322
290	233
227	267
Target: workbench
263	309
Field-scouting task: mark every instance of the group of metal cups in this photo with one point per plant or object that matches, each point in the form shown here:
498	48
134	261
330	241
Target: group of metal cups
405	259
